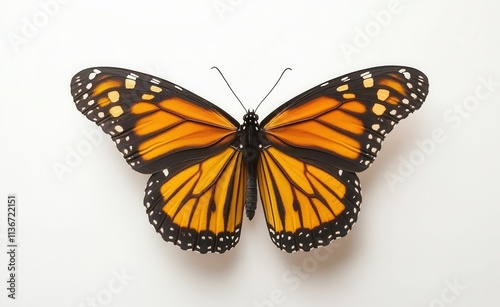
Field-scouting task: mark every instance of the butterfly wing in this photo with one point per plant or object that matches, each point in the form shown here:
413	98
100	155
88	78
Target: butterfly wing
306	205
194	197
317	141
199	206
154	123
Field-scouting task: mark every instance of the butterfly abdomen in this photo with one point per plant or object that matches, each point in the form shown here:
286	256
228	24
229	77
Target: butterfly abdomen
251	196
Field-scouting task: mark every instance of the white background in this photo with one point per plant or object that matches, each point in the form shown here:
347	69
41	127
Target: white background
429	236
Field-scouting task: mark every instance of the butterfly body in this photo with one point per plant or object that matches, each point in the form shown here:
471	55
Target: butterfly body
251	144
205	167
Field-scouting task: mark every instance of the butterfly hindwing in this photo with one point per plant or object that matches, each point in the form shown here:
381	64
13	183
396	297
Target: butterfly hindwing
200	207
318	140
306	206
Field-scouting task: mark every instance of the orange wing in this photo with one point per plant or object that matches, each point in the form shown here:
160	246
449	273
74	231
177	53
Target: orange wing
161	128
344	121
306	206
316	142
200	207
154	123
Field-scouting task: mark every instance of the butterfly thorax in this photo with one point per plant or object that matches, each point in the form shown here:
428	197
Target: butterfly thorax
251	140
250	134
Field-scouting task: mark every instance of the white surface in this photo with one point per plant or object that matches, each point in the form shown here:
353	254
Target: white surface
437	227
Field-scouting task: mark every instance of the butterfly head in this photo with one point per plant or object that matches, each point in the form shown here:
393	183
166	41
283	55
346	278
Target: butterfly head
251	118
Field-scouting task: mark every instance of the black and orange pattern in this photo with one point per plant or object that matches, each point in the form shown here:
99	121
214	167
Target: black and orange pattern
318	140
204	164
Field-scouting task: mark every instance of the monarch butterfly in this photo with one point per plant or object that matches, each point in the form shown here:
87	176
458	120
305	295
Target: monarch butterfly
205	166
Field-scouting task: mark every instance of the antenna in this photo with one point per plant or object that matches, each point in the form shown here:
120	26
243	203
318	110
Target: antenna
215	67
288	68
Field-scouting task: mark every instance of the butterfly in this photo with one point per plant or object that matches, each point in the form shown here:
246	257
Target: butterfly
205	166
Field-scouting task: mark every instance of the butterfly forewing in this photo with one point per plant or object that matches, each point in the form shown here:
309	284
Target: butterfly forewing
154	123
344	121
